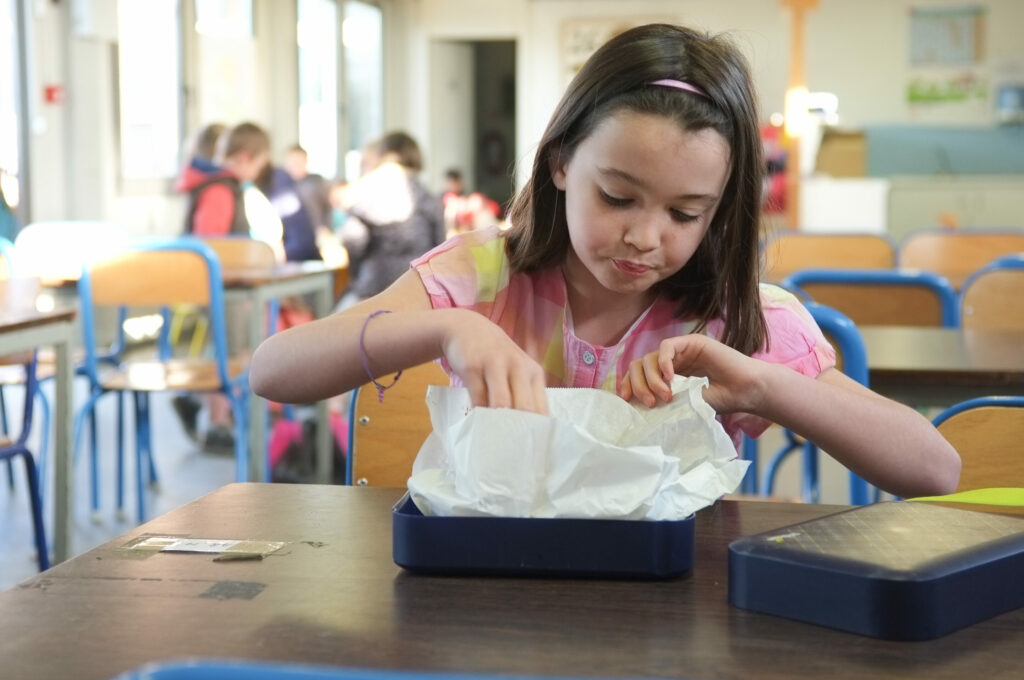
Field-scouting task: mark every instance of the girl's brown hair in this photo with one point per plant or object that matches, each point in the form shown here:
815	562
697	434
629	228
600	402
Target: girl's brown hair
720	280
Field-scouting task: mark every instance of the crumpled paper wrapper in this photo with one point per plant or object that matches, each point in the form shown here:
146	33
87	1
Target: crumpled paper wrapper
594	456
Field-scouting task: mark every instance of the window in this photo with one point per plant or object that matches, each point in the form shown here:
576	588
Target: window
149	70
10	158
362	40
318	84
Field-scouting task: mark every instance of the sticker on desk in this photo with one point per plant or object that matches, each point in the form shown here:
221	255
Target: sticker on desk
235	548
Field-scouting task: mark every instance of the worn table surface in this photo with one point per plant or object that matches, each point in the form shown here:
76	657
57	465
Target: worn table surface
941	366
333	595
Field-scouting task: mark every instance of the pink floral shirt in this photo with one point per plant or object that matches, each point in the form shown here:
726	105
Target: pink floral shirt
471	271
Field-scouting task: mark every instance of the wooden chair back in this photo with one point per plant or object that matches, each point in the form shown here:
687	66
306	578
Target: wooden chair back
880	305
790	251
881	297
150	278
241	253
385	436
957	254
994	300
988	439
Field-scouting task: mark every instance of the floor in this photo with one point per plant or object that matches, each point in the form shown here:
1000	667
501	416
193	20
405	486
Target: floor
187	473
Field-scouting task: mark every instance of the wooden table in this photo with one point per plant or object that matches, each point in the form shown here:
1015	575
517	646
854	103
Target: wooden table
23	327
334	596
260	286
942	366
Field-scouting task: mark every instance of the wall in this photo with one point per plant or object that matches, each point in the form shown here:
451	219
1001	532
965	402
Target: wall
857	50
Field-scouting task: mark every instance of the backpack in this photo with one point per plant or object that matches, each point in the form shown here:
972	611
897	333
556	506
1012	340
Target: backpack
239	224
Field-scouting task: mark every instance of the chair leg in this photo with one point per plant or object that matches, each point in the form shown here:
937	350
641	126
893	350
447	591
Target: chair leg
240	412
87	412
154	481
748	451
3	428
120	456
140	455
811	488
772	469
94	463
38	525
44	441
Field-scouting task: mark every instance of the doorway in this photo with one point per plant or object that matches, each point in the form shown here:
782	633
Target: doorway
473	115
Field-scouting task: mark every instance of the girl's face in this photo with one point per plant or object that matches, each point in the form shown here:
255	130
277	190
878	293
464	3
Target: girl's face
640	193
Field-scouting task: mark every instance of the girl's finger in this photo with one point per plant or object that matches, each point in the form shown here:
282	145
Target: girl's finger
654	373
641	390
474	382
523	395
499	394
540	393
625	388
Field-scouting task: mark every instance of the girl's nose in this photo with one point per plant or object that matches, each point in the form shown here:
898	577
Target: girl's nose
643	232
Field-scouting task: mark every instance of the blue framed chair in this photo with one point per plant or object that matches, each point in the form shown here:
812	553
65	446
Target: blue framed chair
18	448
157	273
881	297
393	429
993	297
12	374
210	669
852	360
987	432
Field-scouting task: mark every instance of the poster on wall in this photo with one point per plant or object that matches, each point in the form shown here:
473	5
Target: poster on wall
582	37
948	75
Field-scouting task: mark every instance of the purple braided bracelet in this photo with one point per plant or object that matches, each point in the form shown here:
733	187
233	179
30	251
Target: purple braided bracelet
366	362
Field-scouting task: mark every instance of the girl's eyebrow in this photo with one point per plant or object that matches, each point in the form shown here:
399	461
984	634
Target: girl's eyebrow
636	181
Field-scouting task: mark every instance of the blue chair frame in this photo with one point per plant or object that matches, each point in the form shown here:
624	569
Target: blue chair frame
223	669
7	255
944	291
1014	261
19	449
850	346
235	389
977	402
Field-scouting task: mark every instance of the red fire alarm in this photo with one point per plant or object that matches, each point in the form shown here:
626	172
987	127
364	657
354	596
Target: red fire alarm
53	94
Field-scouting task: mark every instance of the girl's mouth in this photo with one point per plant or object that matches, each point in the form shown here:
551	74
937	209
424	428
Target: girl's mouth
631	268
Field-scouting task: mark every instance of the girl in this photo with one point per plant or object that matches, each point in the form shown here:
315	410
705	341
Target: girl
632	255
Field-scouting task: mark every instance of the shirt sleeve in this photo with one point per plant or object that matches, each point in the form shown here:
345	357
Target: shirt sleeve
466	271
794	340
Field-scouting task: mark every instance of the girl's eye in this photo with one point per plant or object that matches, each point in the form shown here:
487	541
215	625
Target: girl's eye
680	216
612	200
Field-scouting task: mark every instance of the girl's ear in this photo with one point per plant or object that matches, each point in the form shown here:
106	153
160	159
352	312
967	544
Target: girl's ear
556	165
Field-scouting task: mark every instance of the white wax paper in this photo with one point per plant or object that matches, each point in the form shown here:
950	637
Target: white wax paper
594	456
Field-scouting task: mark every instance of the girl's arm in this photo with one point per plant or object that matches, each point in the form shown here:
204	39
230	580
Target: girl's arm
888	444
323	358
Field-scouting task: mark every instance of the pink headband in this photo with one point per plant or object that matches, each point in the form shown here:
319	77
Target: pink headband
680	85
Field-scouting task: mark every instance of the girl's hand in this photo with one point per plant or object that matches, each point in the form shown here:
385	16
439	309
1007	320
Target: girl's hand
733	377
496	371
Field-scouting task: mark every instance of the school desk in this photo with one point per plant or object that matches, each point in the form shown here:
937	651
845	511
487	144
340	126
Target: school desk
333	595
23	327
923	366
260	286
